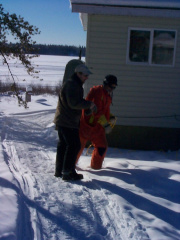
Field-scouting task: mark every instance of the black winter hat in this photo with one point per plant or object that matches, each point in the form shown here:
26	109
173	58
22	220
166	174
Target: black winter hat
110	80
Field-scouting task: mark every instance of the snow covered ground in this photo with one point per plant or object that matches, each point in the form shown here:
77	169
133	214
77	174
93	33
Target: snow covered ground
134	196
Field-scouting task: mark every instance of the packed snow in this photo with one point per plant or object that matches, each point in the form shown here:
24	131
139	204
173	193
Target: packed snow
135	196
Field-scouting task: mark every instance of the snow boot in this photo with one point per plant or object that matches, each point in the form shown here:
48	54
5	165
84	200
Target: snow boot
58	175
72	176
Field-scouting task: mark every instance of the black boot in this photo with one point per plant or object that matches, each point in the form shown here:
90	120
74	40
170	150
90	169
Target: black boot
58	175
72	176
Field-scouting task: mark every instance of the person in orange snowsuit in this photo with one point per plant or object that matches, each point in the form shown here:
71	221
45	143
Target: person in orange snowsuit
95	125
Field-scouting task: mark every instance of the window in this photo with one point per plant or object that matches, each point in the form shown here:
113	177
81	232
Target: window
153	47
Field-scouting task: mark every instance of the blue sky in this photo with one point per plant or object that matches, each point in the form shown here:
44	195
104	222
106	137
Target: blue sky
58	25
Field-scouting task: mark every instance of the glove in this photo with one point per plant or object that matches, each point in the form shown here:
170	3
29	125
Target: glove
112	120
88	112
107	128
92	109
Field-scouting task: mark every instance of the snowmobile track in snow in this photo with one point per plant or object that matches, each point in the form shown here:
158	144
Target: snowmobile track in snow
51	213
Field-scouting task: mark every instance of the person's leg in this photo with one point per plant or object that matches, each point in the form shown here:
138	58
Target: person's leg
73	145
61	148
83	144
100	148
98	157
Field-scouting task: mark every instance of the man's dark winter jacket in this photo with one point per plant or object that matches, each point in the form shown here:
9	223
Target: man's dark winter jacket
70	103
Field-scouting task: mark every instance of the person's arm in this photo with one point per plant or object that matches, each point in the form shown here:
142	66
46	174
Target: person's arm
74	99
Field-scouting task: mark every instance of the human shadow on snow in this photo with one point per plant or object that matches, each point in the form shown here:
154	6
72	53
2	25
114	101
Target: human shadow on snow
150	183
60	219
154	181
169	216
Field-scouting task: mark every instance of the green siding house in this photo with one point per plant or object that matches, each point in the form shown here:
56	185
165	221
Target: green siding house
139	42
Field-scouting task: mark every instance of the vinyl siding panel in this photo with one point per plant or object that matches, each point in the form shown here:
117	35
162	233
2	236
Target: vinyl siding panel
146	95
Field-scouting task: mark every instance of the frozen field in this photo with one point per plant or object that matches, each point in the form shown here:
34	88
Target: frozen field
51	70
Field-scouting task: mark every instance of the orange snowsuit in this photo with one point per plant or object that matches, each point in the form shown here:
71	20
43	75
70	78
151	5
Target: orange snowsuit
91	127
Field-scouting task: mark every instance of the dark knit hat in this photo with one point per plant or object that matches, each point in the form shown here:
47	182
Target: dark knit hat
110	80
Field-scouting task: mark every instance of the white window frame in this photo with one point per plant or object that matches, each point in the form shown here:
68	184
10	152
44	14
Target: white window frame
149	63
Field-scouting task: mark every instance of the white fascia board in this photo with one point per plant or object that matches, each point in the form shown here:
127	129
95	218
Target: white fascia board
126	11
131	3
149	8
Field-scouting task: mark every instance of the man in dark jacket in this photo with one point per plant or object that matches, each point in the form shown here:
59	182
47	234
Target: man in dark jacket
67	118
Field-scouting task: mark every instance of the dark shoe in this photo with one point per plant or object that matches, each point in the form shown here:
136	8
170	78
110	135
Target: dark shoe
73	176
58	175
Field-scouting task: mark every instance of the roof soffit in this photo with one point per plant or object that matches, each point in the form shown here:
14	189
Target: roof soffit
118	7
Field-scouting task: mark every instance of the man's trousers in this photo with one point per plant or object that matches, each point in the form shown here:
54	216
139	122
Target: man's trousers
67	149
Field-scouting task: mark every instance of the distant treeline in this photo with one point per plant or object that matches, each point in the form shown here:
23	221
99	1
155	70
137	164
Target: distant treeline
50	49
62	50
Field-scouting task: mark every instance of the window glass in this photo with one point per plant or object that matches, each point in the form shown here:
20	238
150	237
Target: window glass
152	46
163	47
139	46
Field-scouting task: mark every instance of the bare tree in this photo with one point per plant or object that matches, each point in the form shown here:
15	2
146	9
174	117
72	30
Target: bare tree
21	31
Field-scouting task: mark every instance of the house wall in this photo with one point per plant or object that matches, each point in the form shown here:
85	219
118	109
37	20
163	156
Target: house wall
146	96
